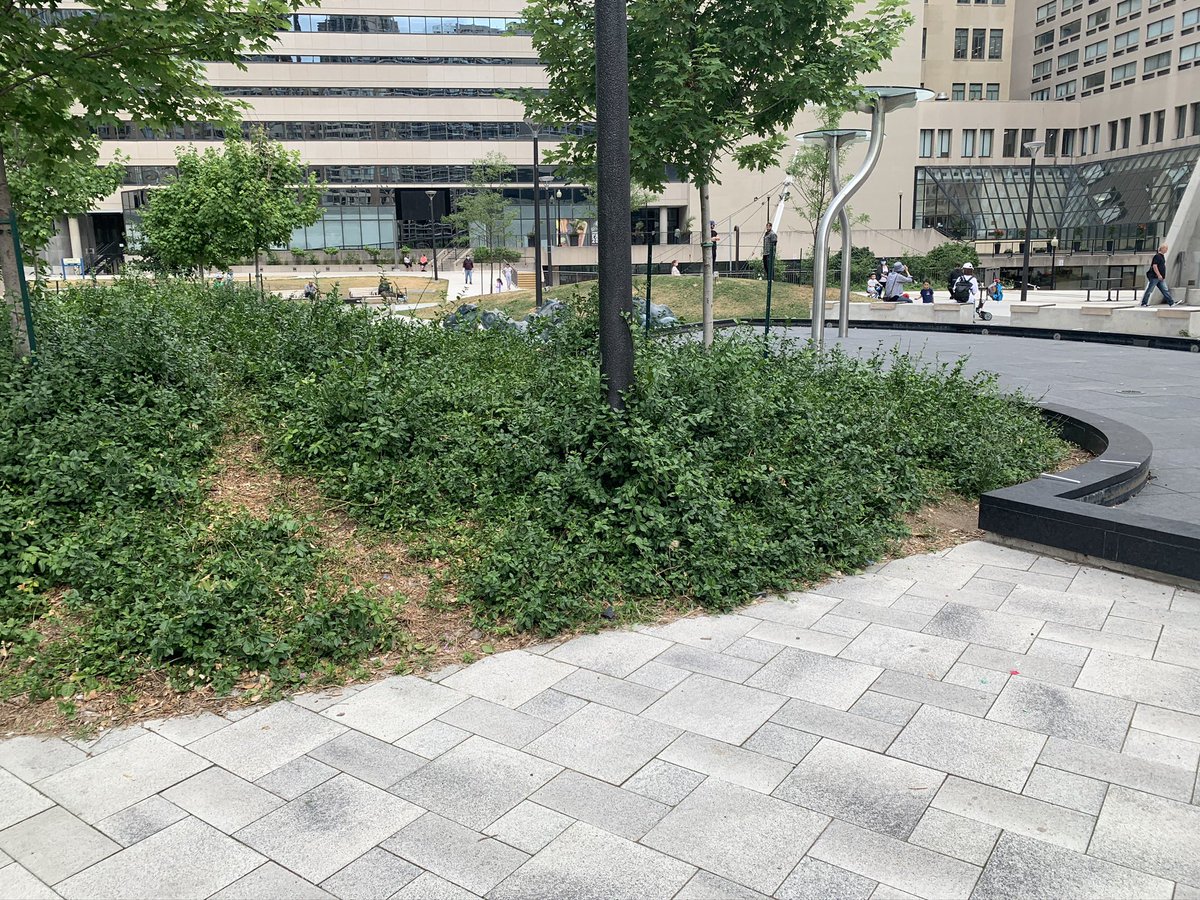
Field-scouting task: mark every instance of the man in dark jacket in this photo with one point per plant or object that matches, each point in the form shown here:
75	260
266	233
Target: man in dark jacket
1156	277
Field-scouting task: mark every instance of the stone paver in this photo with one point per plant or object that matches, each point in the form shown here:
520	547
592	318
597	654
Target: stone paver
978	722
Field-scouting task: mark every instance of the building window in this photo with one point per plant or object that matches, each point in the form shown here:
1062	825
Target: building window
1160	126
1188	54
968	142
1009	149
924	41
1042	69
1120	73
1144	121
1125	128
1069	30
926	143
1096	19
1180	122
1190	19
1157	62
1027	135
985	140
1196	120
976	91
944	142
1093	81
960	43
1065	90
996	44
958	91
978	39
1040	42
1112	136
1068	61
1098	50
1040	94
1045	11
1051	142
993	91
1096	138
1160	28
1068	142
1126	7
1126	39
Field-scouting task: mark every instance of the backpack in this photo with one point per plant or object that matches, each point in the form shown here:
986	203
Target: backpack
962	289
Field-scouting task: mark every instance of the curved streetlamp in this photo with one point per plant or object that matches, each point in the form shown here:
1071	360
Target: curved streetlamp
433	232
535	129
878	101
835	139
1032	148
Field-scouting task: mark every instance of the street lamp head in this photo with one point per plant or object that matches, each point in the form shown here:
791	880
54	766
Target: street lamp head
1054	242
1033	148
431	194
892	97
840	136
534	127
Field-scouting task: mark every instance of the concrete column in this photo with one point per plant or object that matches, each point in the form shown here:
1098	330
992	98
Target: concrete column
76	245
662	224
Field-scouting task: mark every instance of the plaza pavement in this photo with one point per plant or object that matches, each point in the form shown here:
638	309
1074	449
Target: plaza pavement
980	722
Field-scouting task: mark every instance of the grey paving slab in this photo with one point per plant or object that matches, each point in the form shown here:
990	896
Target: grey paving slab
1100	640
316	701
1015	813
1022	868
1167	721
601	804
1067	789
271	881
893	862
1143	680
988	752
816	880
839	625
736	765
264	741
870	734
923	689
1029	579
332	825
376	875
608	691
54	845
429	887
1118	586
18	883
986	554
1071	654
100	786
976	678
815	678
108	740
368	759
1150	834
880	589
706	662
138	822
528	826
187	859
737	833
393	708
982	595
931	568
781	742
292	779
887	892
904	651
1047	565
656	675
752	649
1185	618
716	708
1086	610
497	723
476	782
966	839
707	886
616	653
222	799
458	854
1180	646
20	800
886	707
183	730
881	615
1052	709
663	781
587	863
862	787
1160	748
707	632
1117	768
605	743
923	606
800	610
34	758
984	626
509	679
798	637
1006	661
553	706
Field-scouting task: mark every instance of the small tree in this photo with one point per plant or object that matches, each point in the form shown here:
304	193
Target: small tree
228	205
481	214
811	191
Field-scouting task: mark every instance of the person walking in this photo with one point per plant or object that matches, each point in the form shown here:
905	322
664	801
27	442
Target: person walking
1156	277
468	268
510	275
715	238
892	291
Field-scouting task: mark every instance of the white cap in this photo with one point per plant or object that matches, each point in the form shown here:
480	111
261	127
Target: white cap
967	266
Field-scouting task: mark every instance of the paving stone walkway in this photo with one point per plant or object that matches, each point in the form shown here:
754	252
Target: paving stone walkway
980	723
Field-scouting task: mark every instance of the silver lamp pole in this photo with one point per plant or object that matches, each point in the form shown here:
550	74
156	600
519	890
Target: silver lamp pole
879	102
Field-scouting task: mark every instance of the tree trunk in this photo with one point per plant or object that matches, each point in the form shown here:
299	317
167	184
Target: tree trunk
706	266
8	266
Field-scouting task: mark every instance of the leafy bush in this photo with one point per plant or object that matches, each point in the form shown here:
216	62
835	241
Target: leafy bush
730	473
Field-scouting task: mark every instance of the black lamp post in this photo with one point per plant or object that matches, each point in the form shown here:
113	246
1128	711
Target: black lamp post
1054	263
433	232
549	243
558	218
534	129
1032	148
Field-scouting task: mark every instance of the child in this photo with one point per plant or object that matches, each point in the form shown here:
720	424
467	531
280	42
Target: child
997	290
926	293
873	286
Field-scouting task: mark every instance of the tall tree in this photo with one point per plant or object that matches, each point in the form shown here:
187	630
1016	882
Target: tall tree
227	204
66	71
707	79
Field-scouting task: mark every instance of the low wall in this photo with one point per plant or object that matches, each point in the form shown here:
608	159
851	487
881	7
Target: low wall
942	313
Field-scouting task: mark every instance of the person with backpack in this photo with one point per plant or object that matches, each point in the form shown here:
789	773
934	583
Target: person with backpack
966	288
892	291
